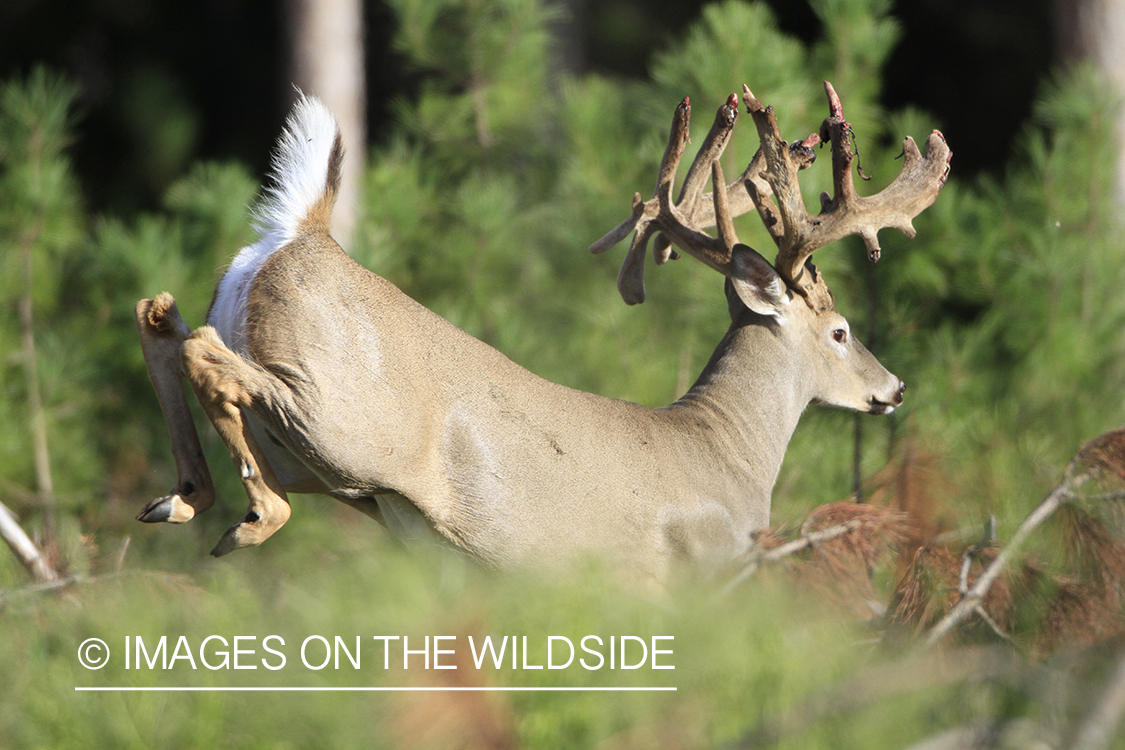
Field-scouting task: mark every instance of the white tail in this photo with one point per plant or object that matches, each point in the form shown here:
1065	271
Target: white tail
305	179
322	377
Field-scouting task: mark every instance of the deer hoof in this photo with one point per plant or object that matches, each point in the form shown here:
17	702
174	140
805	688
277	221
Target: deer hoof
230	541
167	509
250	531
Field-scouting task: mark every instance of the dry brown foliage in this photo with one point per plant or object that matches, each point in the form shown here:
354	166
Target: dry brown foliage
1079	600
1077	617
1105	453
841	569
1075	602
925	589
916	482
935	578
838	569
1085	607
1094	550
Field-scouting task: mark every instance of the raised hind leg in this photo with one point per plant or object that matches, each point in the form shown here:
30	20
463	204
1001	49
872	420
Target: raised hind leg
162	332
225	383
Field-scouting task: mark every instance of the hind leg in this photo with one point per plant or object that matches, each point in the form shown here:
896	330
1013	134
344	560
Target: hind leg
162	332
225	384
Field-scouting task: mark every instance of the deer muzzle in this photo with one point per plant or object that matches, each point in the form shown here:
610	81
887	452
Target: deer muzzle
878	406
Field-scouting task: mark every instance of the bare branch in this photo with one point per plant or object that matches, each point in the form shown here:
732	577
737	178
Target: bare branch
969	602
24	549
66	582
807	539
120	563
1104	455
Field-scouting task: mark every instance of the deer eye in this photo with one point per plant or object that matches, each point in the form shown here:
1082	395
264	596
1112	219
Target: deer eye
840	335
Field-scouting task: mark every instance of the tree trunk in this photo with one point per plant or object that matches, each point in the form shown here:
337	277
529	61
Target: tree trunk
37	415
327	61
1094	30
567	50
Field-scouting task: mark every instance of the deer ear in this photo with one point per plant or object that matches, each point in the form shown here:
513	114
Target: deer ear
756	283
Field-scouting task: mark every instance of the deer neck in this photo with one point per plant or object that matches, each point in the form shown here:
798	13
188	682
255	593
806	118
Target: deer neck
747	402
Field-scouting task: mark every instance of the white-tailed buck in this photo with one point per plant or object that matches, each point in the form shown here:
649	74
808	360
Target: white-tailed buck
322	377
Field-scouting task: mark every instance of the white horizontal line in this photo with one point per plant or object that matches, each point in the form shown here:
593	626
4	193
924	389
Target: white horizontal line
371	689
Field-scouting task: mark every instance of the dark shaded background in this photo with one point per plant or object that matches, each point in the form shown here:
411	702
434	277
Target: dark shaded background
166	82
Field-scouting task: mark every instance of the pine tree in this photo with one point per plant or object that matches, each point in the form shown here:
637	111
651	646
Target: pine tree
40	228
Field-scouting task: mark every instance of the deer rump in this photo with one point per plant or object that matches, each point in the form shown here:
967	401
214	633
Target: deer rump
321	376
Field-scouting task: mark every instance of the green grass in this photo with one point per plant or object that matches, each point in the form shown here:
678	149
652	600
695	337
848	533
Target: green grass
763	660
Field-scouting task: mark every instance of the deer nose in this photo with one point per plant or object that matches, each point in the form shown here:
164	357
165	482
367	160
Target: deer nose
900	393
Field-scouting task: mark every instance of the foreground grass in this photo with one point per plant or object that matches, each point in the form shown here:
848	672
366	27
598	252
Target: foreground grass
770	665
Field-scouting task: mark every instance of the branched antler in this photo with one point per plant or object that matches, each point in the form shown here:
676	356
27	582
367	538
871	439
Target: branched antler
845	212
772	173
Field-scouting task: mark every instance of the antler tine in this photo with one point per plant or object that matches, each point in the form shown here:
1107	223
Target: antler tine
845	212
713	146
713	252
691	192
724	222
677	222
801	154
778	173
630	280
677	140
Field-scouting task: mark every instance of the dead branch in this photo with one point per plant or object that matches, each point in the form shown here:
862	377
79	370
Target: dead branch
851	538
967	558
80	579
25	550
758	556
971	599
1102	456
120	563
